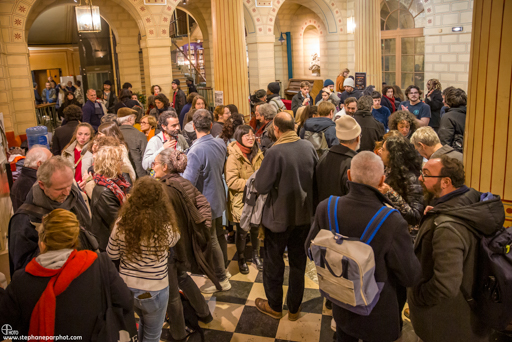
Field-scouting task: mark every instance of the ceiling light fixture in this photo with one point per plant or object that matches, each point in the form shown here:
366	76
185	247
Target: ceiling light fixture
88	17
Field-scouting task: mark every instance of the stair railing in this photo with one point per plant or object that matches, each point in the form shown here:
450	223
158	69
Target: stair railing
190	63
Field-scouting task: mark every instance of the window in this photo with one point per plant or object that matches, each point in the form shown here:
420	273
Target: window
403	45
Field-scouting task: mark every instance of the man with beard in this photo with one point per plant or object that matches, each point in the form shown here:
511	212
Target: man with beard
169	137
414	105
447	248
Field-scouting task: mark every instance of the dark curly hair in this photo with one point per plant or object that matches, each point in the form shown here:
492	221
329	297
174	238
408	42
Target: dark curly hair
162	98
403	159
230	126
73	113
147	218
399	116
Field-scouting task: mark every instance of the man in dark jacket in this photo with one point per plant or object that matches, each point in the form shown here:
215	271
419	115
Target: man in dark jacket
395	263
434	99
109	96
36	156
266	112
179	99
302	98
453	122
287	176
135	139
348	85
191	86
63	134
372	130
54	189
92	110
322	123
447	248
331	171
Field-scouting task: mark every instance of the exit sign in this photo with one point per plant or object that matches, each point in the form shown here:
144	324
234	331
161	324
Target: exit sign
155	2
263	3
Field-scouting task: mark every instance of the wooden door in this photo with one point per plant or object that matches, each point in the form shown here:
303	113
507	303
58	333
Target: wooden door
54	74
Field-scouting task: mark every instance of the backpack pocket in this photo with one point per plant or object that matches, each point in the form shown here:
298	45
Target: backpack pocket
339	289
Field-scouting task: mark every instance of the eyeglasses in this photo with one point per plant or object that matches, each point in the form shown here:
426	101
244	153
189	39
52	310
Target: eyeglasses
428	176
249	137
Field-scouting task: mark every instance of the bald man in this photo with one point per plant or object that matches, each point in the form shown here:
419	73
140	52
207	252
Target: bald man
37	155
287	176
392	248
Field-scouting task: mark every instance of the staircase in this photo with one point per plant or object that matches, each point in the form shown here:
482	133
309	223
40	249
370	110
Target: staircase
178	74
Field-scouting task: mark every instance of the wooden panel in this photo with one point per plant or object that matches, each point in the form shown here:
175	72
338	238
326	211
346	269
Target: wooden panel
230	60
368	40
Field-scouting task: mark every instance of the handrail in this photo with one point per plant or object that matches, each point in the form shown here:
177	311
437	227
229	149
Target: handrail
190	63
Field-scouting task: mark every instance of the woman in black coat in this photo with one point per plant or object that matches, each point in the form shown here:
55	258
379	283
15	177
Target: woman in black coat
434	99
109	193
70	100
77	306
125	100
453	123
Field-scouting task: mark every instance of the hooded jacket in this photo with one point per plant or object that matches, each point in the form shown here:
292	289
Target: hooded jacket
449	151
435	101
238	170
448	255
451	131
320	124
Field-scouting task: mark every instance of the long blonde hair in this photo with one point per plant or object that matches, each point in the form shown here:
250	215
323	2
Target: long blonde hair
73	138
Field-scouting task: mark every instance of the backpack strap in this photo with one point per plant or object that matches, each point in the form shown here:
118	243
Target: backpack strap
375	223
33	210
335	213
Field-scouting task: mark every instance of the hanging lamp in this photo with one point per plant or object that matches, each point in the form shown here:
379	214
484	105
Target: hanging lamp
88	17
281	39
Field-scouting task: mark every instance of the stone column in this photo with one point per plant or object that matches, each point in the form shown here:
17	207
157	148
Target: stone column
229	53
367	36
488	142
129	64
262	66
157	64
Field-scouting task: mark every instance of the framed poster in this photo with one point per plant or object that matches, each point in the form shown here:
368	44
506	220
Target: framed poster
219	98
360	80
155	2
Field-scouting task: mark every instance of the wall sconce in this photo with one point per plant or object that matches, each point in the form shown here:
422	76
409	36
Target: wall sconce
351	25
88	17
281	39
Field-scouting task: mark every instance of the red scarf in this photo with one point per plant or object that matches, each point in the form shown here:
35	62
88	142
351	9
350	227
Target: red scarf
245	150
117	185
42	321
392	101
260	131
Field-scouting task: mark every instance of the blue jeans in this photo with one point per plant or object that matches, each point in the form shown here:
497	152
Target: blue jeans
151	313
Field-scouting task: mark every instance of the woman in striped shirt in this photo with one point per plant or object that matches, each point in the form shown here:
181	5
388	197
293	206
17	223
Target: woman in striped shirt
141	238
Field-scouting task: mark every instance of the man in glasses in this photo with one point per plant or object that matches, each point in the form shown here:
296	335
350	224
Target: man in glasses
447	249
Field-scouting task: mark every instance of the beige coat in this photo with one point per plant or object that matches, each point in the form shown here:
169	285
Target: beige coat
238	170
69	154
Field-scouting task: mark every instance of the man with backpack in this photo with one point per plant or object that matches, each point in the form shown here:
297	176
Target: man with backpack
372	130
321	130
365	216
274	98
447	246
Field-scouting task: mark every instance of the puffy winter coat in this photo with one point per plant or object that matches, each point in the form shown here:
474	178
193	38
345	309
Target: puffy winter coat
238	170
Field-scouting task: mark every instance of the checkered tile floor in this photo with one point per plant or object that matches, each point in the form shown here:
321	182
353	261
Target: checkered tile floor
236	318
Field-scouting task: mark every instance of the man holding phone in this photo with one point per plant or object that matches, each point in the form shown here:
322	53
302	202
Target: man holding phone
169	137
302	98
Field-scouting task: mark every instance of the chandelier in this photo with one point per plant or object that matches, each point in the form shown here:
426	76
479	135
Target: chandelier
88	17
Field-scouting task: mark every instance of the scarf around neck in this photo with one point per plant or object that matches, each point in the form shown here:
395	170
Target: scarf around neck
392	101
288	137
42	321
117	185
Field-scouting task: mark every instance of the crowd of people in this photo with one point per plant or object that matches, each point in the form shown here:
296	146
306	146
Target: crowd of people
162	193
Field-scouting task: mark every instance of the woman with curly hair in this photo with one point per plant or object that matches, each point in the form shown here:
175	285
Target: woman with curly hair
230	126
190	206
378	145
434	99
402	188
162	104
141	239
404	122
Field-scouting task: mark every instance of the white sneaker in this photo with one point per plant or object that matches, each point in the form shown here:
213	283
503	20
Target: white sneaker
333	324
228	274
210	287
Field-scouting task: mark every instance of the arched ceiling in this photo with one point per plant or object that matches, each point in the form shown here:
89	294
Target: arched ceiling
54	27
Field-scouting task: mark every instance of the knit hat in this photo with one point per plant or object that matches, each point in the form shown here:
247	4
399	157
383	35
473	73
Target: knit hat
125	111
107	82
348	82
274	87
347	128
176	81
328	82
189	78
260	93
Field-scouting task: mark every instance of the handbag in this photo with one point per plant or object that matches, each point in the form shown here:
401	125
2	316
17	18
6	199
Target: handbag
114	325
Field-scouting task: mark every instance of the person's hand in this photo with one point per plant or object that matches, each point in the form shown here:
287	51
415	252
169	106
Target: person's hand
427	209
384	188
430	93
405	108
305	102
82	184
170	143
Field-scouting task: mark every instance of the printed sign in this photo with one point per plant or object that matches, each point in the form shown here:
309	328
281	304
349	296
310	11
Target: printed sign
219	98
360	80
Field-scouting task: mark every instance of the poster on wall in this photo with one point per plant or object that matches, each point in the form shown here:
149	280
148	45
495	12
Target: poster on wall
360	80
155	2
219	98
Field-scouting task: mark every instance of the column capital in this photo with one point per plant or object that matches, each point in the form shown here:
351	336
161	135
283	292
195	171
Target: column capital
254	39
155	42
